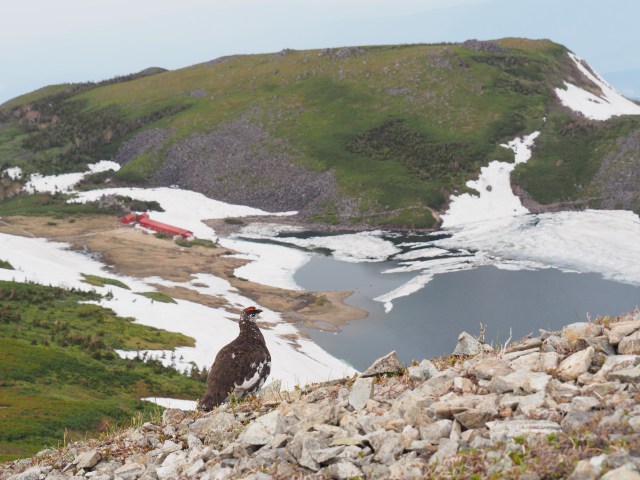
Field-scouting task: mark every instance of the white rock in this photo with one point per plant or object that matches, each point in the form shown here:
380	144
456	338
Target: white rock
620	330
361	391
530	403
423	371
344	470
262	430
630	345
508	429
520	380
468	345
575	365
574	331
88	459
625	472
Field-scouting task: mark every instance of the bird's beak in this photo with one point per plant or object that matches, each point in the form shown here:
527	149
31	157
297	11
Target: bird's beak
258	311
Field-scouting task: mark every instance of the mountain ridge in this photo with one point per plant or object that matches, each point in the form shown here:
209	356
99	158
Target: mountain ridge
352	136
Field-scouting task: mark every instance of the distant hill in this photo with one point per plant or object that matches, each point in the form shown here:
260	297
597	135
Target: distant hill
354	136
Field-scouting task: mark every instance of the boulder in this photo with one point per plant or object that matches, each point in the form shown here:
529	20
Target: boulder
423	371
361	392
389	364
618	331
88	459
503	430
575	365
487	368
468	345
574	331
630	345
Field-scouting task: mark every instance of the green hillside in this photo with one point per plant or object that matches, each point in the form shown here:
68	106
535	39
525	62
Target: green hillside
377	135
60	375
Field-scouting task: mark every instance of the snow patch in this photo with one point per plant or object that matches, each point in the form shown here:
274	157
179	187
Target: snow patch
165	402
65	182
14	173
595	107
495	198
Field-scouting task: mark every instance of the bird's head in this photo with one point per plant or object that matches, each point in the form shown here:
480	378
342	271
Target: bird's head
250	314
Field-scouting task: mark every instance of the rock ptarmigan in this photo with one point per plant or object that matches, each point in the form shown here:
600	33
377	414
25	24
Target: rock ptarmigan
241	367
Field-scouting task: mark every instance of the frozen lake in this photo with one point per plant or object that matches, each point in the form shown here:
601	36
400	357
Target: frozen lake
426	323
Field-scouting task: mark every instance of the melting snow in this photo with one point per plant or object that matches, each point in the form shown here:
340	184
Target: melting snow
14	173
66	181
610	104
50	263
495	199
494	228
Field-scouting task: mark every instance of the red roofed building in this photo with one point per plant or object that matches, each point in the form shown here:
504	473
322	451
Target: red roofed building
144	220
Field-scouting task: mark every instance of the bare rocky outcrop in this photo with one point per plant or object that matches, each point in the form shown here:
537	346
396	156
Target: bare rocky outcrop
617	182
507	412
241	163
149	141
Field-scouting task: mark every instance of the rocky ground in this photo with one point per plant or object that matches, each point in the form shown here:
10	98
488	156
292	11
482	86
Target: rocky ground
561	405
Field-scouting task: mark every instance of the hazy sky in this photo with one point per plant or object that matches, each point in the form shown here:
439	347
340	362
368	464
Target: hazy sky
60	41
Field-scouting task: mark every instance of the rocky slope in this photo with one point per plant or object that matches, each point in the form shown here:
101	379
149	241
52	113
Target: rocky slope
561	405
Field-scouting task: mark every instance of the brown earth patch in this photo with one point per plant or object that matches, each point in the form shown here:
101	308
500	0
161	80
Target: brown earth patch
128	251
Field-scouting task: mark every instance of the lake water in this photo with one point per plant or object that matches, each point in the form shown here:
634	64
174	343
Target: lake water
426	324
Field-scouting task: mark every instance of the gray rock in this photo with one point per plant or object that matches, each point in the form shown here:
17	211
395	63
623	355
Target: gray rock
575	365
627	471
585	471
361	391
323	455
32	473
508	429
344	470
130	471
387	445
173	415
423	371
211	423
520	381
412	408
488	368
585	404
88	459
511	356
447	449
530	361
620	330
434	432
530	403
627	375
475	418
262	430
574	331
630	345
195	468
576	421
556	344
167	473
408	468
468	345
384	365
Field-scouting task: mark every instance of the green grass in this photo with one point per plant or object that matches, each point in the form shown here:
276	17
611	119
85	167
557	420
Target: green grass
6	265
44	204
60	371
157	296
97	281
567	156
196	242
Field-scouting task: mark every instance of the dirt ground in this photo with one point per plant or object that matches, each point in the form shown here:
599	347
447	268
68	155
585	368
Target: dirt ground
132	252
